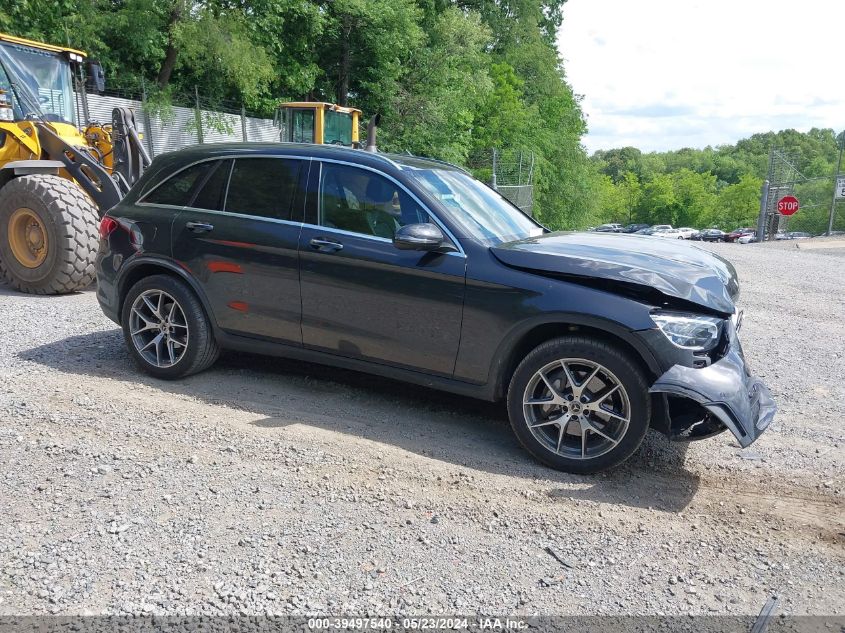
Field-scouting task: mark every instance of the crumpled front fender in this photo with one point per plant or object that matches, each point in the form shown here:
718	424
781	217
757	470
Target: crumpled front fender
727	390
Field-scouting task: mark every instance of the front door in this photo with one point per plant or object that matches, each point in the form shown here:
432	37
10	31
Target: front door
361	296
238	237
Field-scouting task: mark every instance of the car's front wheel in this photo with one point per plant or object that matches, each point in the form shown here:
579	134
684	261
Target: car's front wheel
578	404
166	329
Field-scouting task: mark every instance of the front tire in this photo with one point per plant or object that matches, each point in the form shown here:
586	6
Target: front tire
48	235
579	405
166	328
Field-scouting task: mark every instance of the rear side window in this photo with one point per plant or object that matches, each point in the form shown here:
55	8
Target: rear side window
211	192
263	187
177	190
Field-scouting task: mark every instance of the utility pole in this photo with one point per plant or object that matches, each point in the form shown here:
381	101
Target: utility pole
198	115
841	139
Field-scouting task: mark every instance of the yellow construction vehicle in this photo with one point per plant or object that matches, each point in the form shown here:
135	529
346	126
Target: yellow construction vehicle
58	172
317	122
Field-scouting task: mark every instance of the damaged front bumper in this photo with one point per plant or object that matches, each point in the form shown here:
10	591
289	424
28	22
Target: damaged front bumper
727	390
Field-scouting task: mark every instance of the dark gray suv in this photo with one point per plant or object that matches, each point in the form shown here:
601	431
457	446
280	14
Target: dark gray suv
410	268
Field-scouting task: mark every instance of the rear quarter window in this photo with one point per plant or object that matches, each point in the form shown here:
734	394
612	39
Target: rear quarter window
178	189
209	194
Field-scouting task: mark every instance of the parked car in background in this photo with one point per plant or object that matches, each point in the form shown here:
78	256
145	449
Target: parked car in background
832	233
687	232
792	235
609	228
746	238
634	228
710	235
648	231
412	269
662	227
673	234
734	235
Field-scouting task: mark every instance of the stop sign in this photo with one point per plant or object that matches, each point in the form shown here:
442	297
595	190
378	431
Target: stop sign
788	205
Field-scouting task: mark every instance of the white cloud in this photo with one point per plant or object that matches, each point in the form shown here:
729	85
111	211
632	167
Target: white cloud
666	74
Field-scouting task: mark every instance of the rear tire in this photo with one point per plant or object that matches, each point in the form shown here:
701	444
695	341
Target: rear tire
574	386
57	255
166	328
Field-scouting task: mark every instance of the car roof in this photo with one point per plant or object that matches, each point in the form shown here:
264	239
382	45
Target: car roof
194	153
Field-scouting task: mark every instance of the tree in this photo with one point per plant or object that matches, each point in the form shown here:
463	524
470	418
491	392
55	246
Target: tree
440	99
632	193
695	197
364	48
658	202
739	204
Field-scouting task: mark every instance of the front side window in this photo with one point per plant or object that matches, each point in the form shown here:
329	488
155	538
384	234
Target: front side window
176	191
479	210
263	187
361	201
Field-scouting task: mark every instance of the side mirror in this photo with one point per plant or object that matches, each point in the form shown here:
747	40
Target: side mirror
95	78
418	237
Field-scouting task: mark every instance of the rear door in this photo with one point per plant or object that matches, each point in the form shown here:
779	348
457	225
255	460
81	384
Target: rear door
361	296
238	237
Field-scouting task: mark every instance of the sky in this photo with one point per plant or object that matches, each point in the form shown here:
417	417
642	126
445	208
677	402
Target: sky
667	74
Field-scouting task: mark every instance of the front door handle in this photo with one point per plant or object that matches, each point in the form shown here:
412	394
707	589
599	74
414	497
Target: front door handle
325	246
199	227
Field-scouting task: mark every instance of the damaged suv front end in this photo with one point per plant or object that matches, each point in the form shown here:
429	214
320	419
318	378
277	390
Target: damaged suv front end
701	384
714	390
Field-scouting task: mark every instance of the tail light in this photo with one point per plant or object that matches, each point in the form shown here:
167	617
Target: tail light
107	227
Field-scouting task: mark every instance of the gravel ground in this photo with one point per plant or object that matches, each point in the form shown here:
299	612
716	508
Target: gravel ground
267	486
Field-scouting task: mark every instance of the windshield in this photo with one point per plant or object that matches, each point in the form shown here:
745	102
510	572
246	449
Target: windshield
477	209
45	76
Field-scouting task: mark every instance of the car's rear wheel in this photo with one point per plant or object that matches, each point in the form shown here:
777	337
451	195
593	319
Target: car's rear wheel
166	329
579	404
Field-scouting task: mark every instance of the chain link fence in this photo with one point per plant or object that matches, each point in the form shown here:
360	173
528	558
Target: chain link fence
785	179
510	172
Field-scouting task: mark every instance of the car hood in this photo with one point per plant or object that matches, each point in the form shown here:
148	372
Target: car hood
673	267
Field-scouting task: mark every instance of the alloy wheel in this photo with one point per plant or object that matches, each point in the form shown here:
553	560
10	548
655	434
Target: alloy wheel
576	408
158	328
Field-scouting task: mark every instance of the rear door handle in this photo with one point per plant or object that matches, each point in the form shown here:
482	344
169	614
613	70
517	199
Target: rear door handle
199	227
325	246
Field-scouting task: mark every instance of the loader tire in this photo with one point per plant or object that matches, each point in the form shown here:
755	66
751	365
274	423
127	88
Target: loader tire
48	235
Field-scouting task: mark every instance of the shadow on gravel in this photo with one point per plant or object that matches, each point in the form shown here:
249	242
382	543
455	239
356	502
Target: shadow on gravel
438	425
7	291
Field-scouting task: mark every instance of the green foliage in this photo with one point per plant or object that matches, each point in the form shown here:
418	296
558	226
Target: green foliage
716	186
428	116
452	79
739	204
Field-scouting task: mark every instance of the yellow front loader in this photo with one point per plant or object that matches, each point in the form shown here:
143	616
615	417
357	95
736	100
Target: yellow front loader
317	122
58	174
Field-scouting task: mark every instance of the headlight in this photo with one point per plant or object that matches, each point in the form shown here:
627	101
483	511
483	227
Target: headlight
689	331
